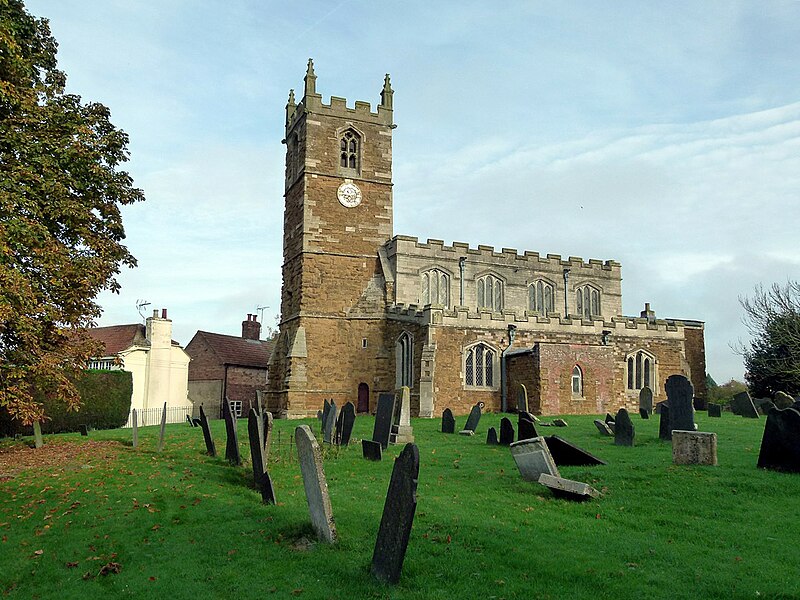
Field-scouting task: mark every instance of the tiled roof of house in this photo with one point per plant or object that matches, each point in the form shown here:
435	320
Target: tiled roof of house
119	337
233	350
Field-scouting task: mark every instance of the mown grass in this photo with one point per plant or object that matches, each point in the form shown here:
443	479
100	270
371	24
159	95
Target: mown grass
184	525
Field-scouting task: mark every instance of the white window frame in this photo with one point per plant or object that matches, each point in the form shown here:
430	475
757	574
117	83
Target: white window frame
577	375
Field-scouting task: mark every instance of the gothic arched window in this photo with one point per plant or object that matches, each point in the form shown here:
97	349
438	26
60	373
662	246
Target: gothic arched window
587	299
490	293
480	364
577	381
541	296
404	360
641	370
349	151
435	288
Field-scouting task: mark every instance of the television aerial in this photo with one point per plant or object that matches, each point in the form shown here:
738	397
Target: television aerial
140	306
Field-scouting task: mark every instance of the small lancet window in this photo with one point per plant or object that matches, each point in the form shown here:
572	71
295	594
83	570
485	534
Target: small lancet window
577	381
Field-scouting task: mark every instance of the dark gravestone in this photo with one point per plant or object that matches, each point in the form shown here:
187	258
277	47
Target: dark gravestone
657	409
491	437
624	432
448	421
567	454
232	442
742	404
261	478
644	414
337	428
609	418
163	428
383	420
348	420
680	394
526	429
328	424
559	423
646	400
211	450
780	445
189	420
766	406
474	417
371	450
506	432
326	408
603	428
84	429
195	422
528	415
664	431
398	517
783	400
267	418
135	425
714	410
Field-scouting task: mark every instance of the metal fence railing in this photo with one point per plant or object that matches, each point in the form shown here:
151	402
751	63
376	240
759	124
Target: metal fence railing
152	416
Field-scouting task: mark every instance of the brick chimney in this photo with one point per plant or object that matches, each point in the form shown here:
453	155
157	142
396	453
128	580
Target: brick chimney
648	314
251	328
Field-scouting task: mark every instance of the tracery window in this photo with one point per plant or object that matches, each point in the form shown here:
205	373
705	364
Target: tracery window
480	362
435	288
490	293
349	144
641	370
577	381
541	296
587	300
404	360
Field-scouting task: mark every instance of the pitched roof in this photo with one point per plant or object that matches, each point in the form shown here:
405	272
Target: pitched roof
233	350
117	338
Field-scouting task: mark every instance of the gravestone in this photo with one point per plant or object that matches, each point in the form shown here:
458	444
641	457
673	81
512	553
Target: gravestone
328	422
491	437
135	426
336	436
261	478
402	433
664	430
715	410
680	395
196	422
211	450
189	420
266	417
559	423
530	416
742	404
522	399
163	428
533	458
326	408
448	421
624	432
506	432
371	450
398	517
783	400
316	486
567	488
644	414
646	400
232	442
383	420
603	428
567	454
84	429
694	448
474	417
37	434
780	444
766	406
609	418
526	430
348	420
467	432
657	409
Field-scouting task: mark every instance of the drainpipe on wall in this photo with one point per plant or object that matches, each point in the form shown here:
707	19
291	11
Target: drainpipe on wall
512	330
566	293
461	264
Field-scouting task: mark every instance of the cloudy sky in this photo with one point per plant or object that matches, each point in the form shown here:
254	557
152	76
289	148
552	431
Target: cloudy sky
664	135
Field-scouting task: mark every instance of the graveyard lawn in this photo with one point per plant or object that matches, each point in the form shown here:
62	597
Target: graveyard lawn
93	517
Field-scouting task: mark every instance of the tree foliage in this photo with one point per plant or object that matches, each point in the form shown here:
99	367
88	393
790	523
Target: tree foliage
772	360
722	394
61	188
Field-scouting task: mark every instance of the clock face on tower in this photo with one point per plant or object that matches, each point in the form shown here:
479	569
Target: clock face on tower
349	195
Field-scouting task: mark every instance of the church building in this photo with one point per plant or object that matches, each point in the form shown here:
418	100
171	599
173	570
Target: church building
364	311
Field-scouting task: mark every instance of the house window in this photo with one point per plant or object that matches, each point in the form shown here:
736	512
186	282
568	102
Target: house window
641	370
490	293
349	144
577	381
480	362
435	288
587	300
404	356
541	297
236	408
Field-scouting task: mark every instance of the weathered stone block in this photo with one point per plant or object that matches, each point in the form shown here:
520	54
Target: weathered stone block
694	448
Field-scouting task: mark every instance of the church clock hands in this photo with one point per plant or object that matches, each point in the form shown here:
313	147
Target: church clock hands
349	195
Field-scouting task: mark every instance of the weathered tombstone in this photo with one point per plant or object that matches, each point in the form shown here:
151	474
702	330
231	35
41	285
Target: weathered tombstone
533	458
694	448
624	433
609	418
664	430
780	444
211	449
506	432
530	416
371	450
567	488
783	400
326	408
448	421
383	420
163	428
474	417
559	423
526	429
491	437
267	437
522	399
766	406
232	442
135	427
680	395
328	422
742	404
37	434
398	517
644	414
189	420
466	432
348	416
84	429
646	400
195	422
715	410
567	454
603	428
316	486
337	428
402	433
261	478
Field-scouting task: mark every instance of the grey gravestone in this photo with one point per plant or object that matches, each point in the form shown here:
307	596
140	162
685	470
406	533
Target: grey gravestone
664	430
448	421
522	399
37	434
84	429
328	423
135	424
714	410
741	404
567	488
232	442
783	400
398	517
316	486
491	437
506	432
780	444
348	420
603	428
371	450
644	414
680	394
266	417
624	432
533	458
694	448
559	423
211	450
383	420
646	400
163	428
567	454
526	430
474	417
261	478
401	432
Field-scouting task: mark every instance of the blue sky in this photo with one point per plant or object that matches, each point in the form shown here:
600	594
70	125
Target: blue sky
662	135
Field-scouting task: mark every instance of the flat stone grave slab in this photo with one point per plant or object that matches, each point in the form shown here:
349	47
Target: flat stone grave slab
491	437
474	417
371	450
780	444
448	421
694	448
567	488
715	410
348	416
533	458
603	428
316	486
680	396
624	432
506	432
211	449
232	440
383	420
567	454
742	404
468	432
526	429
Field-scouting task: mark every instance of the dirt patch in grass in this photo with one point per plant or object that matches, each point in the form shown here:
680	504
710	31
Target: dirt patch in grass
53	457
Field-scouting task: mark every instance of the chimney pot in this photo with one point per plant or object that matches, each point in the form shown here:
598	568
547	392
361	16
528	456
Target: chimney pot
163	313
155	313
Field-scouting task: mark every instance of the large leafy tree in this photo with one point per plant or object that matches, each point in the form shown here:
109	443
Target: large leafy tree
61	188
772	359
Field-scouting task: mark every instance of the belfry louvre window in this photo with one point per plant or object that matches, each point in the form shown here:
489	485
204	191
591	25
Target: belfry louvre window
641	367
435	288
540	296
349	150
490	293
479	366
587	301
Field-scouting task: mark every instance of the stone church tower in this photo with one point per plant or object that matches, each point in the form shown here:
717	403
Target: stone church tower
338	214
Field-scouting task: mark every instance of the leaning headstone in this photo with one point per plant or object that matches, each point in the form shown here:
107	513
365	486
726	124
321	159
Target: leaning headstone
780	444
84	429
337	428
328	422
506	432
402	433
371	450
189	420
533	458
135	426
609	418
559	423
567	454
448	421
522	399
491	437
603	428
646	400
530	416
783	400
680	395
715	410
195	422
211	449
742	404
232	442
624	432
267	424
644	414
261	478
326	408
163	428
37	434
383	420
348	420
398	517
664	430
474	417
526	429
316	486
567	488
694	448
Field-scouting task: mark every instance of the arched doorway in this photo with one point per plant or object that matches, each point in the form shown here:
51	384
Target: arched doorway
363	398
